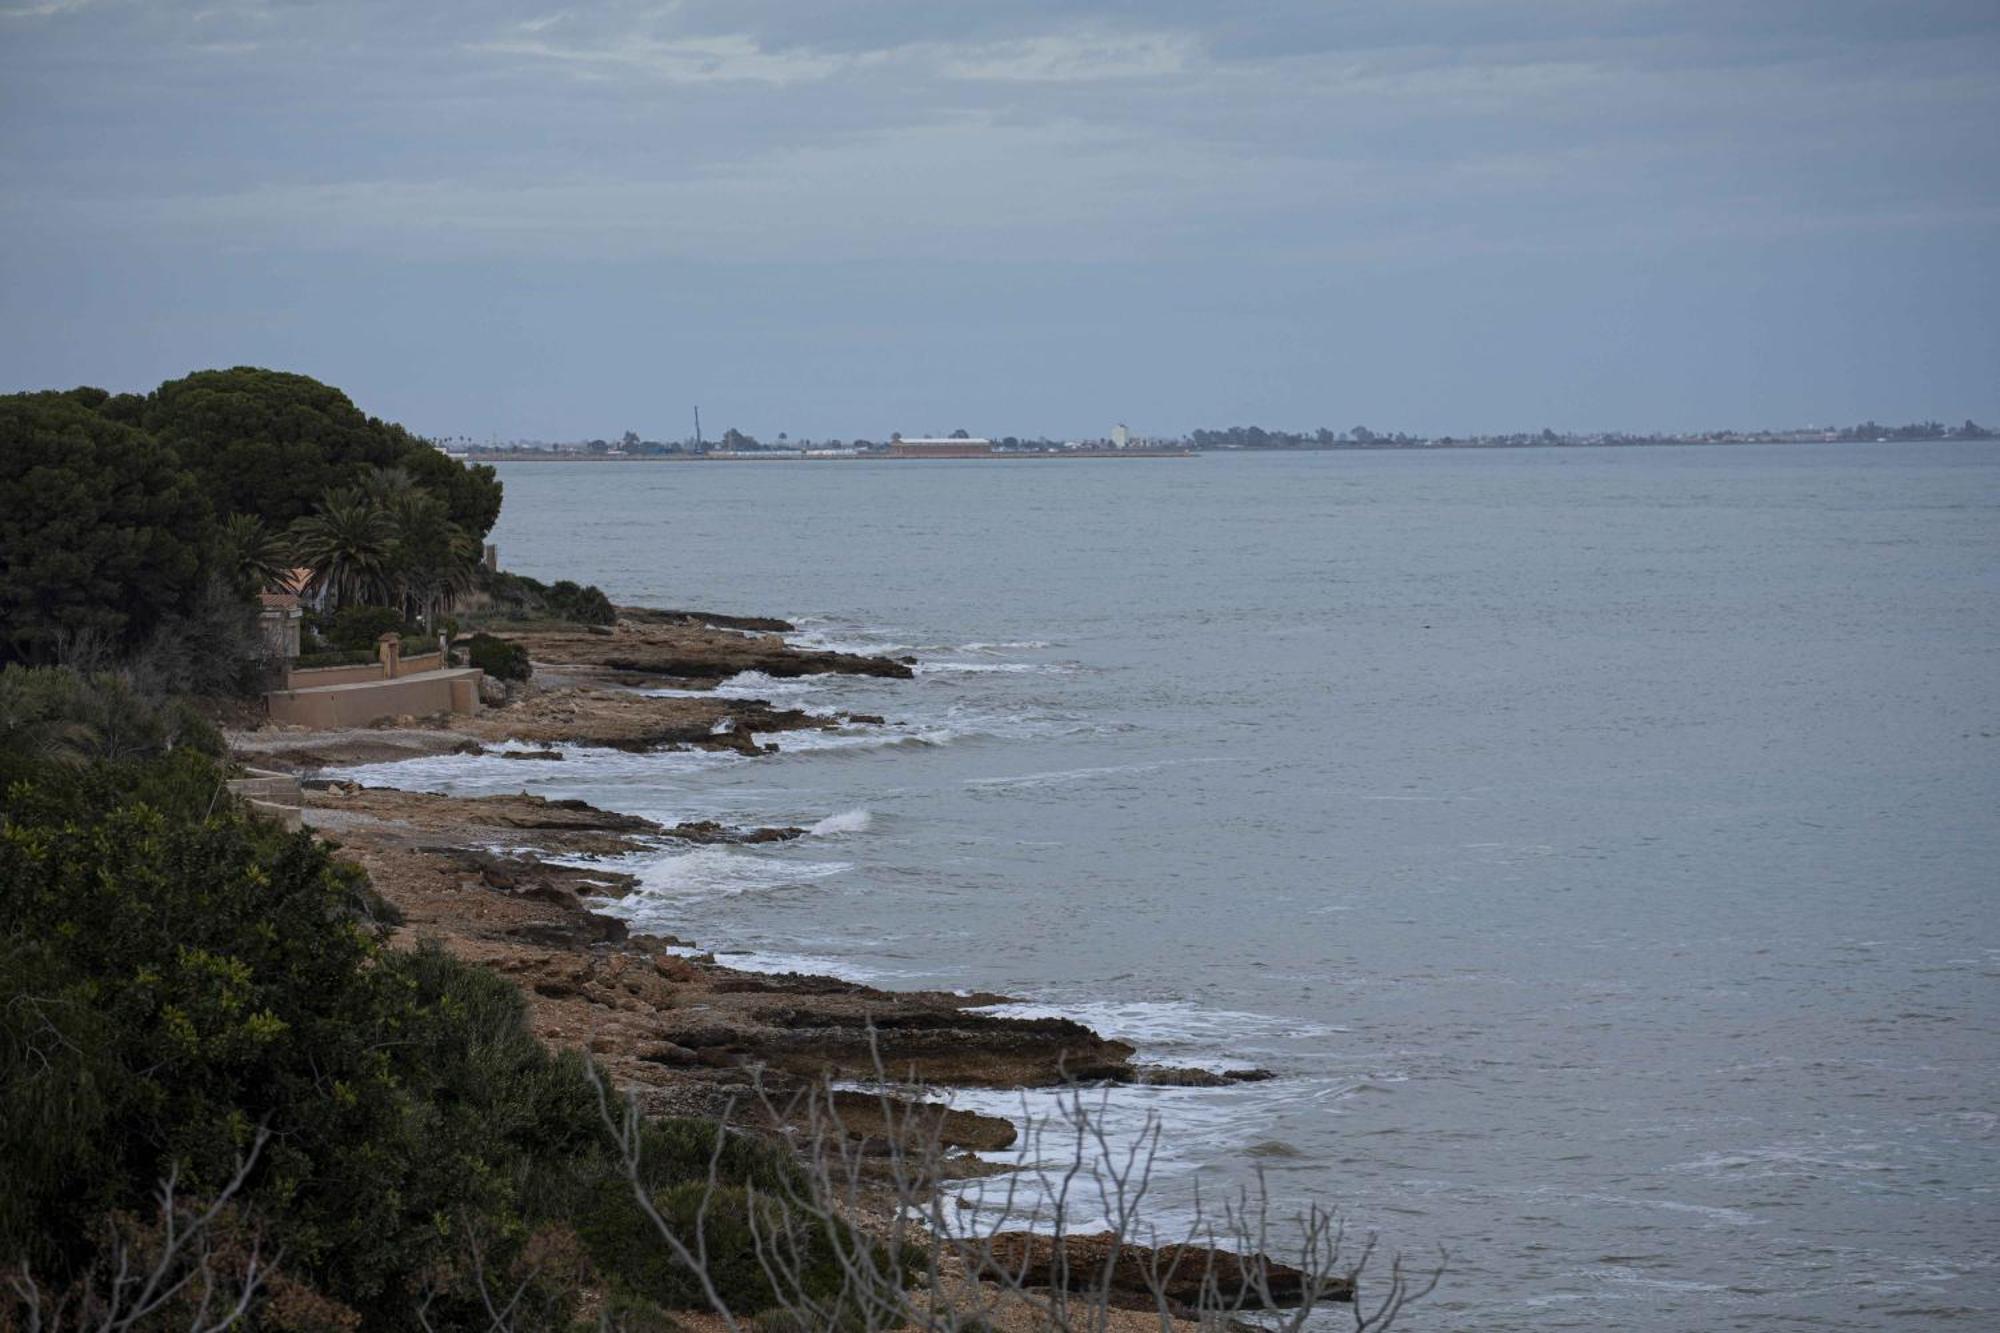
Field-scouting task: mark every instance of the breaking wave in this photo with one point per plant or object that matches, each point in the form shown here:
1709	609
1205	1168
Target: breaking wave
677	878
1173	1027
847	821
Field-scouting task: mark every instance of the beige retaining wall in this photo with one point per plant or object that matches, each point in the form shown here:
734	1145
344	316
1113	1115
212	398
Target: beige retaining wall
306	678
410	666
356	704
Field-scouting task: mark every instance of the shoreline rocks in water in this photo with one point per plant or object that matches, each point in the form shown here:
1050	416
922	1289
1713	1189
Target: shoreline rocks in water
643	644
578	699
622	720
1185	1277
682	1033
689	1034
643	615
573	715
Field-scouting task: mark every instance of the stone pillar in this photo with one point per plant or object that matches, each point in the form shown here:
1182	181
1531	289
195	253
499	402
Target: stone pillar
389	648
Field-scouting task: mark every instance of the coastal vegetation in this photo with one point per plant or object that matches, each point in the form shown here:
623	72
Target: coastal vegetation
228	1098
194	996
239	1090
500	658
145	526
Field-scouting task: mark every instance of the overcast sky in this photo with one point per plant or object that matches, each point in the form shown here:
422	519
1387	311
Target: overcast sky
848	218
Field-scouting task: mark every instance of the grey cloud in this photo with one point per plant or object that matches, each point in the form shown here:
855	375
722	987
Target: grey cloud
1191	140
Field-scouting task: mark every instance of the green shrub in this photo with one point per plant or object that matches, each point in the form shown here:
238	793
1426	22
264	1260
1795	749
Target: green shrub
356	657
49	715
103	532
175	975
627	1248
359	627
586	605
499	658
516	596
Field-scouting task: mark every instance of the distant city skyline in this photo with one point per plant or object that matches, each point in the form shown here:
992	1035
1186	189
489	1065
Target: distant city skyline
525	221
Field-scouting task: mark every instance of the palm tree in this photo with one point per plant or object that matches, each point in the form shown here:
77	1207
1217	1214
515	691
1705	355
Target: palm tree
253	554
386	485
421	552
460	574
347	545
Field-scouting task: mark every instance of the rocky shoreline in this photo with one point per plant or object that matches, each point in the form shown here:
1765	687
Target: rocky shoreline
514	883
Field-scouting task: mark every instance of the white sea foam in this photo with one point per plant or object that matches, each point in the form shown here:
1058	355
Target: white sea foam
490	773
757	685
859	738
674	878
747	685
945	666
1063	776
1734	1217
820	642
1809	1159
1175	1025
1180	1132
818	965
953	725
847	821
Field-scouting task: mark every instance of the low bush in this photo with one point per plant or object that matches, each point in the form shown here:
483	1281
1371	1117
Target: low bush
499	658
54	717
359	627
342	657
585	604
518	597
716	1222
183	986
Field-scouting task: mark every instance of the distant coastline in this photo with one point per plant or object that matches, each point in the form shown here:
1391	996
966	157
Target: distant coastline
572	455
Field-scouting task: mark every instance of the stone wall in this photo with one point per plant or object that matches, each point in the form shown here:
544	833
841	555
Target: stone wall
360	703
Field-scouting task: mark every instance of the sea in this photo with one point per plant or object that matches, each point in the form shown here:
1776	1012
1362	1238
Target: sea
1601	846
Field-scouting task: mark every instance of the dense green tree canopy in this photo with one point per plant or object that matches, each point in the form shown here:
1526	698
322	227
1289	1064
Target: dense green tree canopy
270	443
120	514
180	980
102	531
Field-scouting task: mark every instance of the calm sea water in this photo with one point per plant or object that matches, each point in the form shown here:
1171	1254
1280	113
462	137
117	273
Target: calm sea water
1601	844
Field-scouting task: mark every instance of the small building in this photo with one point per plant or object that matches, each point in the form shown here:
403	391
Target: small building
280	615
1121	436
957	446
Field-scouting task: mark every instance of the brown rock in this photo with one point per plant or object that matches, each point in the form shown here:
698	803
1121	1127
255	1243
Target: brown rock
1188	1276
1177	1076
709	831
653	646
647	616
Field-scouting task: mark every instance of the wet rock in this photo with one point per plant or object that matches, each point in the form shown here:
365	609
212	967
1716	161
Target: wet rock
648	616
738	742
921	1128
554	894
577	930
1176	1076
653	646
709	831
667	1053
1190	1277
